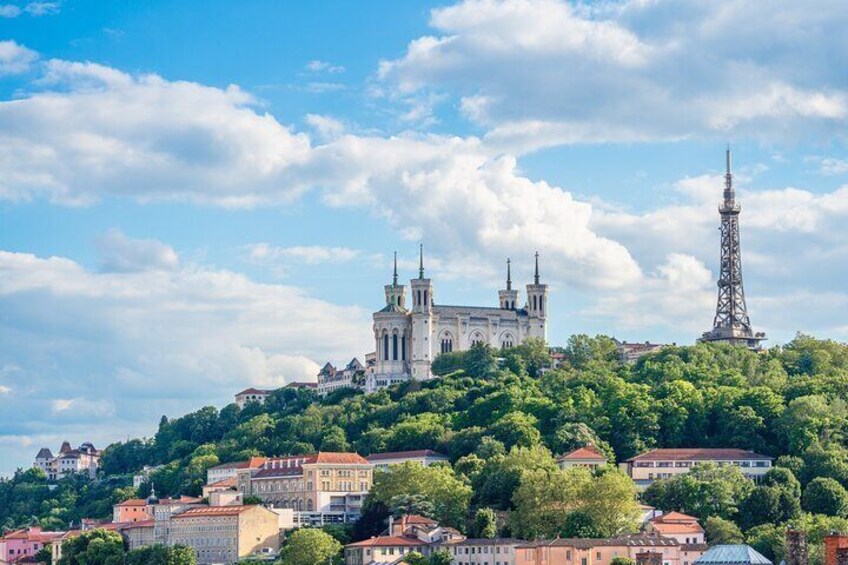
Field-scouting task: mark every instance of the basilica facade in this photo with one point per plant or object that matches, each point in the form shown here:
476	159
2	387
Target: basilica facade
408	339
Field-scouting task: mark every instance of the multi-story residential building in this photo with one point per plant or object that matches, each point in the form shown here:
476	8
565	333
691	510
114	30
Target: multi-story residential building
498	551
84	459
230	470
56	544
664	463
587	456
164	510
681	527
252	395
629	353
384	549
144	475
424	457
138	534
422	535
225	534
22	545
331	379
328	486
132	510
587	551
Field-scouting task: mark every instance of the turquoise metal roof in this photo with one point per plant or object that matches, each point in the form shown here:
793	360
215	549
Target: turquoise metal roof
732	555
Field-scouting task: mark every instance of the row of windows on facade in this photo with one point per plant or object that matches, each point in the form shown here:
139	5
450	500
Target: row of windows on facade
691	463
447	343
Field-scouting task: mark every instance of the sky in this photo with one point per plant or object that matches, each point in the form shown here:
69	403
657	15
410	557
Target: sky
201	196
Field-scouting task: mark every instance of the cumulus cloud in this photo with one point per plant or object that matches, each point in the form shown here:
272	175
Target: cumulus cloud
309	254
152	340
120	254
15	58
97	132
543	72
326	127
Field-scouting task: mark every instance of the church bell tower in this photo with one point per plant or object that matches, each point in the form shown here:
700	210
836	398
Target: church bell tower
422	322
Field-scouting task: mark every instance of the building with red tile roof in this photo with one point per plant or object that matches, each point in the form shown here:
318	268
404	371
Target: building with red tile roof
320	483
225	534
676	525
586	456
18	545
656	464
131	510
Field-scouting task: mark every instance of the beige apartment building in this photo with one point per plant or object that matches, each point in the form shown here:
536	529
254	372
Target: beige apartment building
326	482
665	463
576	551
587	456
499	551
225	534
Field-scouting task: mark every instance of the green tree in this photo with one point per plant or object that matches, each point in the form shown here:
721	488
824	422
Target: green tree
706	490
44	555
767	504
161	555
826	496
500	476
309	546
517	429
480	361
485	524
783	478
573	503
440	557
437	484
622	561
94	547
722	532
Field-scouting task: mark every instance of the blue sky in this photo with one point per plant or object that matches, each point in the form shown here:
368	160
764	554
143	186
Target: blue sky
196	197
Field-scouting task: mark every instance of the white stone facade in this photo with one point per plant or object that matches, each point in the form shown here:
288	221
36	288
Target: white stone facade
408	340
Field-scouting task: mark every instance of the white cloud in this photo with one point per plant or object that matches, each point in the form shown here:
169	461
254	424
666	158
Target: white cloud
832	166
121	348
43	8
310	254
15	58
106	133
326	127
542	72
9	11
120	254
318	66
4	390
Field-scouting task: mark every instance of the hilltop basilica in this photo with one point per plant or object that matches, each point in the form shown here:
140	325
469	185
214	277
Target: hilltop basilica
408	339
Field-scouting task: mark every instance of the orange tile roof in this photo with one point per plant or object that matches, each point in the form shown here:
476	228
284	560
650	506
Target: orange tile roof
389	541
210	511
228	482
254	391
332	457
585	452
677	528
675	517
133	502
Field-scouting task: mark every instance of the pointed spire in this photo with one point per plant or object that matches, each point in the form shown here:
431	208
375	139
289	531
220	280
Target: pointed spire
729	193
536	276
394	276
508	275
421	261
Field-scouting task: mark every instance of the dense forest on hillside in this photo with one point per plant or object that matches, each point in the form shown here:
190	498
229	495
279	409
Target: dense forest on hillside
501	419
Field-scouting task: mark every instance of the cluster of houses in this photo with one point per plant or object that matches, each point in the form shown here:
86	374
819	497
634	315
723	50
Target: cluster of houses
85	459
330	487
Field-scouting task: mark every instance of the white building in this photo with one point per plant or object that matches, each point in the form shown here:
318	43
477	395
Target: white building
425	457
408	340
142	476
252	395
331	379
85	459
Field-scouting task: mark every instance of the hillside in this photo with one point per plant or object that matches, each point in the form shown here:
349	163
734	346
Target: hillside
496	417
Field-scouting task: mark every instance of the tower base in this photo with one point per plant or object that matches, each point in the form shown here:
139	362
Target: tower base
735	336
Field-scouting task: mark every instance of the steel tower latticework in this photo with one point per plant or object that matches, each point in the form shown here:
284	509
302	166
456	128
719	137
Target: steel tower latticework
731	322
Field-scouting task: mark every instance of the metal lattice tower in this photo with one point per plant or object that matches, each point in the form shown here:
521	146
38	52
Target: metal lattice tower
731	323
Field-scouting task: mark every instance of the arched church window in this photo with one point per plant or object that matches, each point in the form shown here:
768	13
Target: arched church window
385	347
403	347
535	304
425	298
395	347
541	304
